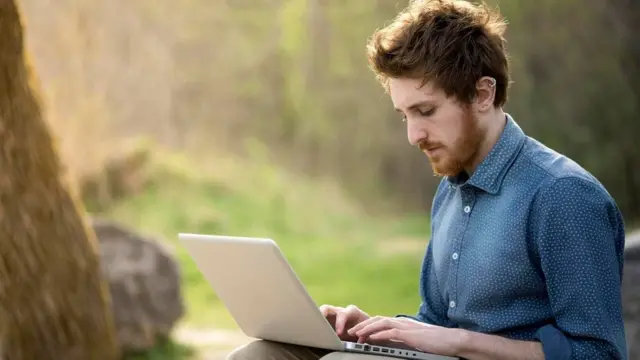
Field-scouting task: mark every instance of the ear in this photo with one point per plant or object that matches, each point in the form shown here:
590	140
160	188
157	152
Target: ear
486	92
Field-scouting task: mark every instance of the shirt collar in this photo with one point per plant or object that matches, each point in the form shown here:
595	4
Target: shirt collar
492	170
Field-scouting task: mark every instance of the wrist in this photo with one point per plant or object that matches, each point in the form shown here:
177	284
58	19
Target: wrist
464	342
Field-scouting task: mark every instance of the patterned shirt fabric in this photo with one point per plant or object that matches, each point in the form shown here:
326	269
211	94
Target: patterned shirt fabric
529	247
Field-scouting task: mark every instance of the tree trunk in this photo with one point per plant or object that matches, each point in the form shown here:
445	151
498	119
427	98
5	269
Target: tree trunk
54	303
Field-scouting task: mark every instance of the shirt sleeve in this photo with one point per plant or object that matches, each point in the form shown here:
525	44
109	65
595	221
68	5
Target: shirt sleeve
580	240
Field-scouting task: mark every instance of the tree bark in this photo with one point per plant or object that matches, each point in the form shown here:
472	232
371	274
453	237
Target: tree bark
54	303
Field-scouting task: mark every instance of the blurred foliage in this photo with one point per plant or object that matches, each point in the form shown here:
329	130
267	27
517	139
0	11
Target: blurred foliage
292	74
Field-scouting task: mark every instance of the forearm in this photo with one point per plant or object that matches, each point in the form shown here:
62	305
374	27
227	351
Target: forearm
478	346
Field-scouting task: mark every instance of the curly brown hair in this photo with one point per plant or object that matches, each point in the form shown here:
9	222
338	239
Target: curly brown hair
450	42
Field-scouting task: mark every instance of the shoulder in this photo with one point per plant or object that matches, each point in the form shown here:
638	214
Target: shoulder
561	177
574	197
566	190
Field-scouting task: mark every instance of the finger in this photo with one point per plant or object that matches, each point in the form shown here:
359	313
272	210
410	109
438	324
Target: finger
382	324
343	317
402	323
362	324
328	310
341	321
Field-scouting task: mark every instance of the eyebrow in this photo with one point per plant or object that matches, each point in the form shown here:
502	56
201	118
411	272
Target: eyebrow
416	105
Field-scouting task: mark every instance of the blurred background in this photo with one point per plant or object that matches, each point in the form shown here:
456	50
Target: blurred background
261	118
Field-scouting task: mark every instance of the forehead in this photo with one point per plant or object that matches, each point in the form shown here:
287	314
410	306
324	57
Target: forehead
406	92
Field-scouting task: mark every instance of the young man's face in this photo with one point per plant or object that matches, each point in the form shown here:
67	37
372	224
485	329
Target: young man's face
447	131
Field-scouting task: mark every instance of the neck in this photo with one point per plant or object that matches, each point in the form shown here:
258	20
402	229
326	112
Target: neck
495	124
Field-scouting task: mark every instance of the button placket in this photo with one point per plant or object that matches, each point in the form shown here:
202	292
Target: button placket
467	197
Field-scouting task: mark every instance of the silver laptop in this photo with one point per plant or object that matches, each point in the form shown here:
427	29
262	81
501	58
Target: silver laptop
267	299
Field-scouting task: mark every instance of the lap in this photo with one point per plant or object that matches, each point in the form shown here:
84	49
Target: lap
268	350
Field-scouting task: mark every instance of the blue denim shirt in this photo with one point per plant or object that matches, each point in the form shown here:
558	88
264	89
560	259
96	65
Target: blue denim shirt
529	247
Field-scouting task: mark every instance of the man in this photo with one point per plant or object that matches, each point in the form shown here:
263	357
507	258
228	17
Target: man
525	256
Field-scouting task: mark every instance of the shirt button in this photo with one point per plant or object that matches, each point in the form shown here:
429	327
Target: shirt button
455	256
452	304
467	209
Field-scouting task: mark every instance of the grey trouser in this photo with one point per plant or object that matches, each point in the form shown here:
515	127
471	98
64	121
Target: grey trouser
267	350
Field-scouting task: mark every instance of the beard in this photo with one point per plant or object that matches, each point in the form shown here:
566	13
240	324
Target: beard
452	160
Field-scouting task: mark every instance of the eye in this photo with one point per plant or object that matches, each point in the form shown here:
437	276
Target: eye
427	112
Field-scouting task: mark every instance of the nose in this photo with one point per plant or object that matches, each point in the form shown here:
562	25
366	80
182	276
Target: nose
415	132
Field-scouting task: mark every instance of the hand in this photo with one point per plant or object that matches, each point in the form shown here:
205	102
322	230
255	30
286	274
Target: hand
342	319
411	333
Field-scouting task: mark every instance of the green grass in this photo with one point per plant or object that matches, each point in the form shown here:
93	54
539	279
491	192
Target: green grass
342	254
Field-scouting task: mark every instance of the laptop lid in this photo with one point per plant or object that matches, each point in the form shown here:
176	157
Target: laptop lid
257	285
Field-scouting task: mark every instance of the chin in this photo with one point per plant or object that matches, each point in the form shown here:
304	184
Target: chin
442	173
440	170
442	167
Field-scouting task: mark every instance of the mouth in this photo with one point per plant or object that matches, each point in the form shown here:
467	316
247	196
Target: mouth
429	149
432	150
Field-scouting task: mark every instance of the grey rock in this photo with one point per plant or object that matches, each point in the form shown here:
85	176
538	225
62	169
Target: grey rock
631	293
145	284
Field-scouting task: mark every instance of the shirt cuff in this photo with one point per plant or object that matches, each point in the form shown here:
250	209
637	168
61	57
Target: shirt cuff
555	344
